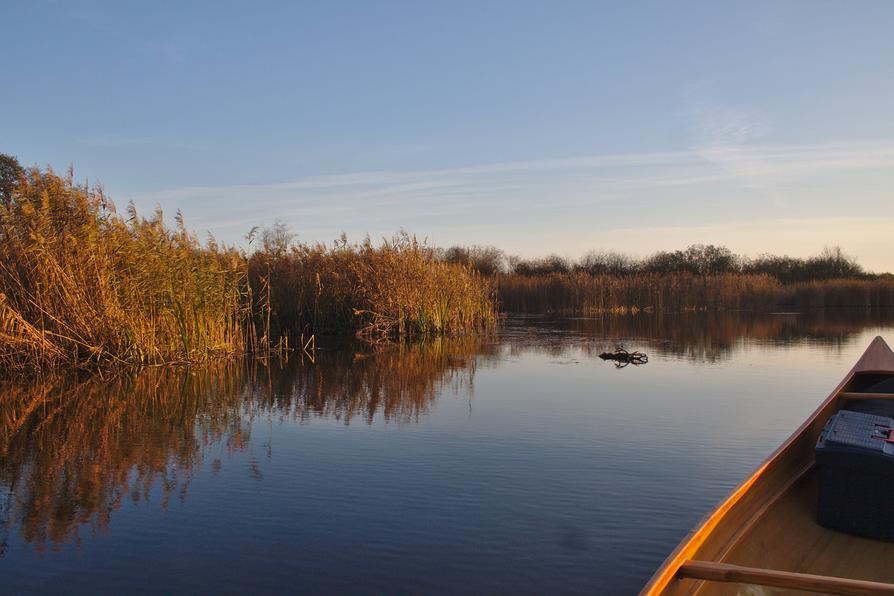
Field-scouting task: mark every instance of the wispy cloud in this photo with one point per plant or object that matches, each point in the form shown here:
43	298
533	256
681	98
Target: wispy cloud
357	179
119	141
585	196
716	122
700	165
770	171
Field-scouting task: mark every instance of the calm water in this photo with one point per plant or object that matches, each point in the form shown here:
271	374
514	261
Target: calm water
520	463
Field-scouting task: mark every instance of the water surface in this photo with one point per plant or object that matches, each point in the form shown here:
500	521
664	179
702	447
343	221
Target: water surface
515	463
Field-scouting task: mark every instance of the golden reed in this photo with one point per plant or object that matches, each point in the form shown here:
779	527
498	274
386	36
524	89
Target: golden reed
85	287
81	285
584	293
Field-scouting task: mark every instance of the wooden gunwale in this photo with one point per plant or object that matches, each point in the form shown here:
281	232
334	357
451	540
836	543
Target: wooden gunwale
711	540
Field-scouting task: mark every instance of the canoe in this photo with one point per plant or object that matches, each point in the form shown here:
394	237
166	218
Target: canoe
764	538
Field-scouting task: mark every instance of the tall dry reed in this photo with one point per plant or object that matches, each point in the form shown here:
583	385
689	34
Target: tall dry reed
396	289
579	292
836	293
83	286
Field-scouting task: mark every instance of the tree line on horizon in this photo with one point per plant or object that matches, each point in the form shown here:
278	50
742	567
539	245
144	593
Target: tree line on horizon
696	259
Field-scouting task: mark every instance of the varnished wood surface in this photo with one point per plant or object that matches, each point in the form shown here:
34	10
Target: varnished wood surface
729	526
822	584
787	538
877	358
858	395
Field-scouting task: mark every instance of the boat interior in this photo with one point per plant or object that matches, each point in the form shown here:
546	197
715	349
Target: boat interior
764	539
788	538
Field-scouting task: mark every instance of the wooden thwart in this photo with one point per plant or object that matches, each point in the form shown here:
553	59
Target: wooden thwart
724	572
855	395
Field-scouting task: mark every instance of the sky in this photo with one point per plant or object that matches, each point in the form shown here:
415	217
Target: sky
539	127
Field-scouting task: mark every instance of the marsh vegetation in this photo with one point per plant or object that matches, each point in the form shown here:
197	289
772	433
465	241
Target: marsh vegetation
84	286
700	277
398	288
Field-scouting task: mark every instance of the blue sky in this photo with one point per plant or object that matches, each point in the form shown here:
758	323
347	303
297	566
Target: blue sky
535	126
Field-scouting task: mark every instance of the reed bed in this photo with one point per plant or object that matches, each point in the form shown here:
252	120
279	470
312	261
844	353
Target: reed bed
583	293
700	277
838	293
83	286
399	288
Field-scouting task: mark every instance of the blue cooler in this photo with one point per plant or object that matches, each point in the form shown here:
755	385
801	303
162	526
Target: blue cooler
855	457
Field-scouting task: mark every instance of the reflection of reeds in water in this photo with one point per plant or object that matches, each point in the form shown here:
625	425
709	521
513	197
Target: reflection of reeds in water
400	381
71	452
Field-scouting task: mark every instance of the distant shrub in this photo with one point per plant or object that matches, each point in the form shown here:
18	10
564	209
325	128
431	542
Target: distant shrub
486	260
543	266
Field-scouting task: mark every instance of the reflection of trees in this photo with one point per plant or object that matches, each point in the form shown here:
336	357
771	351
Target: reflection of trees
72	451
694	335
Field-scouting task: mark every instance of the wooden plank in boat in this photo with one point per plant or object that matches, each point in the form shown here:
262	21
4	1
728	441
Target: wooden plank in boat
724	572
857	395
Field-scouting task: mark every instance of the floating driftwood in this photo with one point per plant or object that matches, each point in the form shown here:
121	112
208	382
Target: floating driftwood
622	357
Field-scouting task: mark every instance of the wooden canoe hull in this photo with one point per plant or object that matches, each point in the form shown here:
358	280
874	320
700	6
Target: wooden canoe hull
720	534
